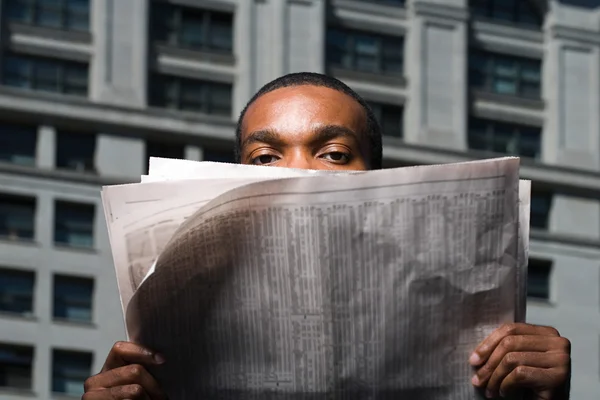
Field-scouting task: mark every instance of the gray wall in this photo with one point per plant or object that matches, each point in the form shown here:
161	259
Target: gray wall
273	37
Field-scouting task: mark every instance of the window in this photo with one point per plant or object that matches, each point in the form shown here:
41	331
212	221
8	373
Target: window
505	138
540	209
389	2
219	156
70	369
520	12
15	366
505	75
538	279
18	144
45	74
367	52
16	291
163	150
71	15
73	298
17	217
390	118
75	151
191	95
74	224
192	28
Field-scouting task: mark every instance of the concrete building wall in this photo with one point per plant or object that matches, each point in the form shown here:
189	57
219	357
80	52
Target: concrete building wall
274	37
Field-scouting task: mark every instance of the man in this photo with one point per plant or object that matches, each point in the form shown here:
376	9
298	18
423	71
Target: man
312	121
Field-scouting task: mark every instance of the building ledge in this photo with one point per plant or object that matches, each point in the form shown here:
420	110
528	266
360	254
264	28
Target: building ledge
82	113
75	324
564	179
508	30
8	391
59	175
18	317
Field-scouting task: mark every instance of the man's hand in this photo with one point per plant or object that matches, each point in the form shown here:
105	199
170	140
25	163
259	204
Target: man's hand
124	375
523	356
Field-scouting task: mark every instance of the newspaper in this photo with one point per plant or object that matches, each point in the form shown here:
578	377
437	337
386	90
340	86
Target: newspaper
298	284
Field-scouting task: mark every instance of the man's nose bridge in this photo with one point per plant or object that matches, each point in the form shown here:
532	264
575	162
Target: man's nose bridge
299	158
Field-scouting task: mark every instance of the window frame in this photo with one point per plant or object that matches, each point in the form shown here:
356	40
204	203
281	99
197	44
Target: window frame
9	131
486	9
489	74
64	299
170	30
349	49
66	139
544	295
19	200
62	226
492	126
379	109
36	8
167	94
55	375
61	81
30	277
23	352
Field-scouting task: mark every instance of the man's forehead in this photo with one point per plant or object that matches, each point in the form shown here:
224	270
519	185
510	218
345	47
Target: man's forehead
305	102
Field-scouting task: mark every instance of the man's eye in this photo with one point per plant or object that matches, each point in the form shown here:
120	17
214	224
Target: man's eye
337	157
264	159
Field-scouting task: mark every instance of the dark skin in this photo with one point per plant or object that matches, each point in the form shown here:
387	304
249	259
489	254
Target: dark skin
312	127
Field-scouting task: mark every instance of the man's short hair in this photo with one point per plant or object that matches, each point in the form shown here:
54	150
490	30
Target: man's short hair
372	129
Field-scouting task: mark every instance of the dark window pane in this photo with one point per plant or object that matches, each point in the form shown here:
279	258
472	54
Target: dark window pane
191	95
390	118
74	224
519	12
219	156
164	150
538	279
73	298
78	15
540	210
56	14
221	32
17	217
16	71
18	144
15	366
16	291
506	75
364	51
45	74
75	151
69	371
19	11
498	137
192	27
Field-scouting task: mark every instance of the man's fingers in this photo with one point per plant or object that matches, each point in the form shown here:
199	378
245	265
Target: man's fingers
511	361
132	392
133	374
486	348
124	353
518	344
539	379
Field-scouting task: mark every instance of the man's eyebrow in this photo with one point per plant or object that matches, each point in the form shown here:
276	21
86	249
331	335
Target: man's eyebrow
263	136
329	132
321	134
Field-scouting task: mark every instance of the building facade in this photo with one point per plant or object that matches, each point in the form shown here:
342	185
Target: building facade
90	88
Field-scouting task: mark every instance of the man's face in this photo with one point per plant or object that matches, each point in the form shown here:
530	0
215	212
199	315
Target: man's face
305	127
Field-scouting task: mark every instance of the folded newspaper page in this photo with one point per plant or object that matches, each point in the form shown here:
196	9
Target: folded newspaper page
260	282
